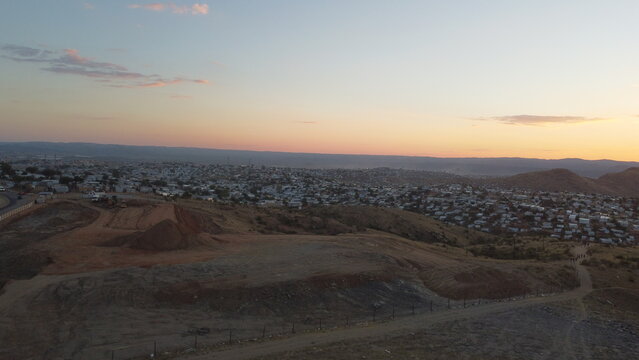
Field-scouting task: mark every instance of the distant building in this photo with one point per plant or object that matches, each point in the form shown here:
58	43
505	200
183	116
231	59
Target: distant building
60	189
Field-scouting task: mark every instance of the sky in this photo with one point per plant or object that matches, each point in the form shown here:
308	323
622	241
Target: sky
477	78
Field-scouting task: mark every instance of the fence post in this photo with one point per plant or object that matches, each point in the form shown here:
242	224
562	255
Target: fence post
155	349
264	332
293	330
195	340
230	336
112	354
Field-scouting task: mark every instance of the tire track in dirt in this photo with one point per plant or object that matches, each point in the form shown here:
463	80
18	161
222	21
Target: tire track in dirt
568	343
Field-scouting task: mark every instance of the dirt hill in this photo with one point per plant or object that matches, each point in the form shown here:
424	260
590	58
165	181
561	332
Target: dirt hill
164	236
170	267
625	183
189	229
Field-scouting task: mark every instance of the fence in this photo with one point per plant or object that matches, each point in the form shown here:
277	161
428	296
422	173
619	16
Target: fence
206	339
16	211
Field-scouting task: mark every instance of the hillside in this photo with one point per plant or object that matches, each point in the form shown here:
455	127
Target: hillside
625	183
87	278
553	180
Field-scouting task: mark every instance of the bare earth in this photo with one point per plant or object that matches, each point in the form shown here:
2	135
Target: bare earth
409	325
115	282
4	201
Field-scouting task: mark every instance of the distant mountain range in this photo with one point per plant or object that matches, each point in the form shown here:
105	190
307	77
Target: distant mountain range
624	183
459	166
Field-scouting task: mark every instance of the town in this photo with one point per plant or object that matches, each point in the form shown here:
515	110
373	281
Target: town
467	202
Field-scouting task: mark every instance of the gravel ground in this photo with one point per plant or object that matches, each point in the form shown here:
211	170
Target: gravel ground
537	332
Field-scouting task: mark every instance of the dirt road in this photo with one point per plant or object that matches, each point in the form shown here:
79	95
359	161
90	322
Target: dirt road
411	324
581	351
4	201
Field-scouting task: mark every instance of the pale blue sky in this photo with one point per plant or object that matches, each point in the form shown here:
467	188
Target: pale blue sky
328	76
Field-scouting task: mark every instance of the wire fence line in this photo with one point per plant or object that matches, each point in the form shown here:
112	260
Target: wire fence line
16	211
205	338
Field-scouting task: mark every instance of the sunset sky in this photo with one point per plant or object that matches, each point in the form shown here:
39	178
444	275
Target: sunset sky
546	79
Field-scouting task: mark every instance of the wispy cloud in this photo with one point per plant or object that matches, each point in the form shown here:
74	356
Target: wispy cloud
70	62
535	120
195	9
163	83
88	6
24	53
305	122
152	7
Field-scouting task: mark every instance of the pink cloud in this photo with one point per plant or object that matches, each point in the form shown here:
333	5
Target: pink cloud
152	7
160	83
535	120
73	57
195	9
70	62
200	9
154	84
163	83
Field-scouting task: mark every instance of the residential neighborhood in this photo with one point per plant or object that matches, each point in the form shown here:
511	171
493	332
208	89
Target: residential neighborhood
448	198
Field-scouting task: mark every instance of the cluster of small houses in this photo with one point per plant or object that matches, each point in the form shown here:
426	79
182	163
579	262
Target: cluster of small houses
594	218
492	210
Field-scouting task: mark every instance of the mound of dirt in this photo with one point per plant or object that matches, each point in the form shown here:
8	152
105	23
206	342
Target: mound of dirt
196	221
166	235
141	217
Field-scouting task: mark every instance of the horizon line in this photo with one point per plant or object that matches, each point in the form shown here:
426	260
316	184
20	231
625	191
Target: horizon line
313	153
